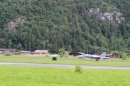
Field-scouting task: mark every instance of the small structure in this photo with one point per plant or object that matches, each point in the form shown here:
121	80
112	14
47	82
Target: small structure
115	55
54	58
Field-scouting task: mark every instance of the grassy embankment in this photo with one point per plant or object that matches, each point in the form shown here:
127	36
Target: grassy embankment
42	76
69	60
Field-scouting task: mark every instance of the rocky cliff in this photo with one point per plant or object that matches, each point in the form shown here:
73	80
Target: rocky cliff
112	17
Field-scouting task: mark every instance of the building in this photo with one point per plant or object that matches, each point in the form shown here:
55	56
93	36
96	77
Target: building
8	50
111	55
25	52
41	52
115	55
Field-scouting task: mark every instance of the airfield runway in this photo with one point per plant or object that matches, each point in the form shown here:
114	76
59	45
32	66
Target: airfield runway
62	66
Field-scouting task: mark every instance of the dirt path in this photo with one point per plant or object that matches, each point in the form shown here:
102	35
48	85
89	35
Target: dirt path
62	66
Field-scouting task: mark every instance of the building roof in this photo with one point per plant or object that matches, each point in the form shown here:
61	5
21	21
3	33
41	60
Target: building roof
76	53
25	51
36	52
43	51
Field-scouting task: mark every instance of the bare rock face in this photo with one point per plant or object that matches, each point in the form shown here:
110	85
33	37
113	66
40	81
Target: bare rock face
14	24
112	17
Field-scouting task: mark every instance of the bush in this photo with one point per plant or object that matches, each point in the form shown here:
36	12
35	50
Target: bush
123	56
7	53
61	51
61	55
78	69
66	54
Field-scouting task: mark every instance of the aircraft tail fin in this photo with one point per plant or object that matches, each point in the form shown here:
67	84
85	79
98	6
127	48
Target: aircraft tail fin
103	55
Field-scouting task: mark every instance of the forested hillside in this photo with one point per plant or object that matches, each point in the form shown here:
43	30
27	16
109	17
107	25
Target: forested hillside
69	24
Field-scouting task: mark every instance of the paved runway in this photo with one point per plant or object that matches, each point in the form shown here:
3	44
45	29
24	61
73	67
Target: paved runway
62	66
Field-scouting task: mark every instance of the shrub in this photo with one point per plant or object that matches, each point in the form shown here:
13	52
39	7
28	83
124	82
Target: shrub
78	69
7	54
66	54
61	55
61	51
123	56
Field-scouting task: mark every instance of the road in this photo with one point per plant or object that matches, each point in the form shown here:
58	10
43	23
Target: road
62	66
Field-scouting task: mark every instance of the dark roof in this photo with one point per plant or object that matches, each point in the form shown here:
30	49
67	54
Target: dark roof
79	53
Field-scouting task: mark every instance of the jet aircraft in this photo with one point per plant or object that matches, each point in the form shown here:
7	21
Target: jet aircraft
96	57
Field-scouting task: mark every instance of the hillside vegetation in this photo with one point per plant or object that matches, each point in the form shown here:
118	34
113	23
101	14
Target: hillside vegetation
55	24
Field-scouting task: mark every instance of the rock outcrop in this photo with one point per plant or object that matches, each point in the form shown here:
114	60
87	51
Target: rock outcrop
13	24
112	17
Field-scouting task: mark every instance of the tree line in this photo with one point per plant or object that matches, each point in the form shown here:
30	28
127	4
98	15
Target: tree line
56	24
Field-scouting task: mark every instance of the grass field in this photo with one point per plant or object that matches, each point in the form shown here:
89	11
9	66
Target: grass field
69	60
42	76
47	76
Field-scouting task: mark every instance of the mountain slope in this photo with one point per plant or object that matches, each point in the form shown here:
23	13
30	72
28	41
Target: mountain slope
55	24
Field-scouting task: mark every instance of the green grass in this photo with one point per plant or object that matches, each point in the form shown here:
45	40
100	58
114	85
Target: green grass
69	60
42	76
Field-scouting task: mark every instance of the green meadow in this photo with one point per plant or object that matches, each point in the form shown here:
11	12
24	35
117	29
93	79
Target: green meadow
48	76
44	76
69	60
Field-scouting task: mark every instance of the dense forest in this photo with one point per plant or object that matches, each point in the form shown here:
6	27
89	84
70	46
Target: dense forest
56	24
